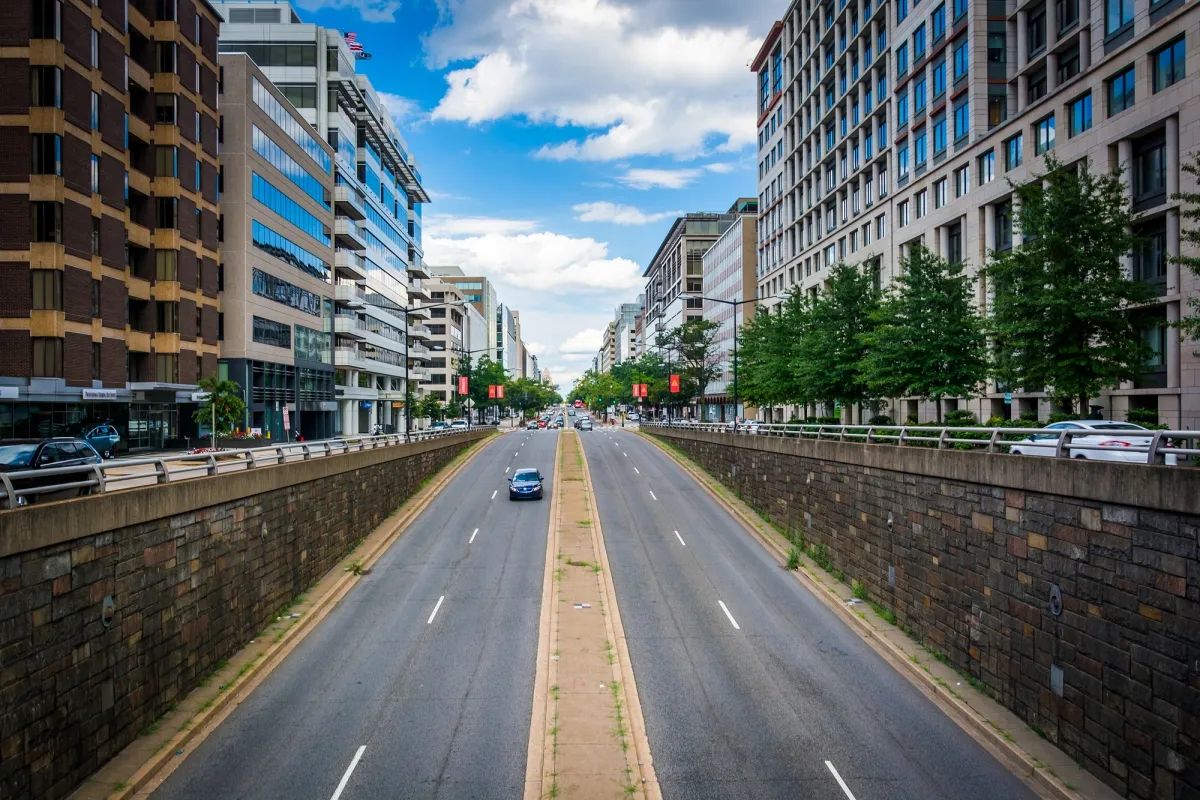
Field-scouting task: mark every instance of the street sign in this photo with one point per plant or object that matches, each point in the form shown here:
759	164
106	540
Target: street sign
287	420
1008	397
675	383
463	384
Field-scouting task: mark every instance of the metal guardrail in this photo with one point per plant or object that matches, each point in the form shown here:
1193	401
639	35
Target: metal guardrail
1162	447
109	476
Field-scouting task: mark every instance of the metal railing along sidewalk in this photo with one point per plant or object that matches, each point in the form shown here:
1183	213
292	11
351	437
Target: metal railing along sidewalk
1158	445
110	476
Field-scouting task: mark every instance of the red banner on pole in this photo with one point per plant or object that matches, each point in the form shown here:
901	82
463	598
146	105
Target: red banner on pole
645	389
463	384
675	383
500	391
491	391
637	390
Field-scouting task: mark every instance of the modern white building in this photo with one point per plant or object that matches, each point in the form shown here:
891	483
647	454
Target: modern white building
625	331
379	330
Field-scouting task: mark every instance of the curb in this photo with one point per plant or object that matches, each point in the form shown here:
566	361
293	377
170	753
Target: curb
164	761
1015	758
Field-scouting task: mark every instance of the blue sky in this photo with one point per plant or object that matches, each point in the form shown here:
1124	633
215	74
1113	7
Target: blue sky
559	138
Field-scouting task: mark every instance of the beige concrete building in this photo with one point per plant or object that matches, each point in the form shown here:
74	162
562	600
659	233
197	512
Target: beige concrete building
446	338
608	348
277	255
729	276
882	126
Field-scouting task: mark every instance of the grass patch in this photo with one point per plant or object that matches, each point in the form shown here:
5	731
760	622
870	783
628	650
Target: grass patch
793	561
859	590
356	568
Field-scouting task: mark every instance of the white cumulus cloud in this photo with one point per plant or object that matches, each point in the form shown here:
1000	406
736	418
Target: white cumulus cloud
437	225
586	342
369	10
670	82
619	214
660	178
405	111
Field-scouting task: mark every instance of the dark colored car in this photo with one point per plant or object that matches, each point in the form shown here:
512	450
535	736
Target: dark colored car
20	455
525	483
103	438
585	424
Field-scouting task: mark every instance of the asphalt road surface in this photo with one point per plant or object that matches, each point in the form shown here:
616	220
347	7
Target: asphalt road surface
419	684
750	686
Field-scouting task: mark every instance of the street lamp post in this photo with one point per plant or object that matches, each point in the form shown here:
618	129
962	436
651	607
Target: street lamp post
735	304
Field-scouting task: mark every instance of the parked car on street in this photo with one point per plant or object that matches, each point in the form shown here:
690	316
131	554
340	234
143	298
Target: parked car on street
633	418
103	439
1102	436
438	426
20	455
525	483
458	425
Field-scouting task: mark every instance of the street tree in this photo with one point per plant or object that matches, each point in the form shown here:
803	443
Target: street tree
226	397
926	339
1065	317
830	347
694	344
1189	326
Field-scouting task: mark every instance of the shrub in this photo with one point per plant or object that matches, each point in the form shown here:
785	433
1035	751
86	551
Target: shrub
1063	416
793	561
960	418
1142	416
880	419
1029	416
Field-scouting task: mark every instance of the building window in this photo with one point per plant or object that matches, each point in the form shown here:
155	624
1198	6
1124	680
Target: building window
902	161
939	193
166	317
922	203
166	212
1149	171
1066	14
1038	85
1168	64
960	9
276	334
166	162
47	358
938	22
939	133
165	61
962	59
962	120
1004	227
96	246
997	108
997	48
46	21
1014	152
95	359
1035	30
919	43
47	154
939	78
47	221
901	11
881	226
902	210
95	111
1068	64
1121	91
1150	254
95	174
1081	115
1117	14
1044	140
902	111
164	108
166	265
299	95
902	58
955	253
962	181
987	167
46	289
166	368
919	149
46	86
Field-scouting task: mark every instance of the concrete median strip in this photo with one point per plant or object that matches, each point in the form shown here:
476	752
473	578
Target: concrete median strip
587	734
142	766
1046	769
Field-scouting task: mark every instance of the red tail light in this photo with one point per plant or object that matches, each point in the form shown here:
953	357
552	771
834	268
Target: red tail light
1119	442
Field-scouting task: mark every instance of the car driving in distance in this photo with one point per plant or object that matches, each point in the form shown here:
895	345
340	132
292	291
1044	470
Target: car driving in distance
525	483
458	425
1092	432
585	424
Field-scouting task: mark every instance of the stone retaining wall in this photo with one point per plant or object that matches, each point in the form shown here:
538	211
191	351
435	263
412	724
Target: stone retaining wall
193	569
966	548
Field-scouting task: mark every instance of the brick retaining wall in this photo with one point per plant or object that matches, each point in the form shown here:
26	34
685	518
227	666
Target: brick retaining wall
195	570
977	541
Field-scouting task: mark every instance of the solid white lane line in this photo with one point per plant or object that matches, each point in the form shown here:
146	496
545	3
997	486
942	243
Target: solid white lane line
341	787
733	621
682	542
652	495
841	782
494	494
473	535
635	469
443	597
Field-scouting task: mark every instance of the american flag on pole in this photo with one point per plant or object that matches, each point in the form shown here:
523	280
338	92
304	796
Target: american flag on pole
353	43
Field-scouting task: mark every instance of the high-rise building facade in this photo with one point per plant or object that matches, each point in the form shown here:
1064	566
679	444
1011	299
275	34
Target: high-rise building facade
881	126
729	275
675	276
379	332
481	294
108	216
447	326
625	332
277	257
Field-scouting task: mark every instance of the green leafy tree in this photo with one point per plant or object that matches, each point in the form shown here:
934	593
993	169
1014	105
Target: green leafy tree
927	340
1189	326
1065	316
226	396
699	361
831	346
430	407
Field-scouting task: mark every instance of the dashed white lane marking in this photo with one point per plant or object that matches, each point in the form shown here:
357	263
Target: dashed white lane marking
472	539
635	469
506	469
732	621
652	495
682	542
443	597
841	782
341	787
625	454
494	493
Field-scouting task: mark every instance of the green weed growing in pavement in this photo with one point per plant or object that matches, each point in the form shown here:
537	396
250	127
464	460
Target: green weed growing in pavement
793	561
356	568
859	590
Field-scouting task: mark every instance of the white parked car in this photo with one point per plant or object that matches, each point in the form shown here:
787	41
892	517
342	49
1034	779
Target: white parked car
1137	445
458	425
752	426
633	418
